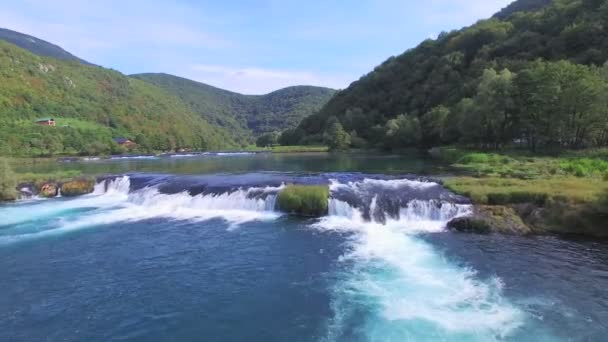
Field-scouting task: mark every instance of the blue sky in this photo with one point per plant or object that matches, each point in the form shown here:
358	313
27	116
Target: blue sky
251	47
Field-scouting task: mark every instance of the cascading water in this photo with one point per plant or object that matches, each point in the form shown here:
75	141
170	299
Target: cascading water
114	200
395	286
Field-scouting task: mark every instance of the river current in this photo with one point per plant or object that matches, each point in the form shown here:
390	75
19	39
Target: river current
187	256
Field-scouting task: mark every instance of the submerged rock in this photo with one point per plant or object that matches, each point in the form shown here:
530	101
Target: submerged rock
491	219
77	187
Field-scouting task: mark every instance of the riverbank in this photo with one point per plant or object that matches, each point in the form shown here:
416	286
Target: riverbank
526	194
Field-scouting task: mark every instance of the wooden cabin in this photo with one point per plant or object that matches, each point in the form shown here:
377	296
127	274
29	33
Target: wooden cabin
46	122
124	142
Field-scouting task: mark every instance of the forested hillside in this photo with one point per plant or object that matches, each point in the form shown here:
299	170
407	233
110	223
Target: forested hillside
534	78
37	46
91	106
245	115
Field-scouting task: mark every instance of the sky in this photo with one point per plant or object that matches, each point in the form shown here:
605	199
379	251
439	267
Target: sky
251	47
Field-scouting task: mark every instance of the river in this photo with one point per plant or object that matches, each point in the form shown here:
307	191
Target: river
191	248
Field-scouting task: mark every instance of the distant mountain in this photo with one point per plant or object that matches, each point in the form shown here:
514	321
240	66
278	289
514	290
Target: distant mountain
91	105
37	46
244	115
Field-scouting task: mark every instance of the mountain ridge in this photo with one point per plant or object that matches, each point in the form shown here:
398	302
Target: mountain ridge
275	111
38	46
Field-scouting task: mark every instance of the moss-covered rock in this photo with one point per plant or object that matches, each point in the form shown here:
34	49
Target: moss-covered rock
304	200
491	219
48	190
77	187
564	217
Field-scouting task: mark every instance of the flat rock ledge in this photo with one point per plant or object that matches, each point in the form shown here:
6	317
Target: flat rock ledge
491	219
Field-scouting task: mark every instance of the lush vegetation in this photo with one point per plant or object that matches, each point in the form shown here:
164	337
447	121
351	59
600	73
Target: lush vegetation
91	106
531	77
305	200
499	179
245	116
8	181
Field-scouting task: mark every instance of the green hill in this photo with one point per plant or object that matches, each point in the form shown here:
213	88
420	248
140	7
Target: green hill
91	105
529	77
244	115
37	46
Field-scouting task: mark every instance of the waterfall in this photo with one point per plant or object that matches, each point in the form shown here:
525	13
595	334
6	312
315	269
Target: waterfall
416	205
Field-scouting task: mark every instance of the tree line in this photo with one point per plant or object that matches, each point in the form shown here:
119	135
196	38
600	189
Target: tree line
547	105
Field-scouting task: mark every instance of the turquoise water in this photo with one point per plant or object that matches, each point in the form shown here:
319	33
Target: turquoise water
157	257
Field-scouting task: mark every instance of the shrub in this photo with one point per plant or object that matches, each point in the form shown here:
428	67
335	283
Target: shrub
485	158
8	182
305	200
584	167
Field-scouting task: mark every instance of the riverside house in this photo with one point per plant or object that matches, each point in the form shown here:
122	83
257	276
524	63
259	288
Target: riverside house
46	122
124	142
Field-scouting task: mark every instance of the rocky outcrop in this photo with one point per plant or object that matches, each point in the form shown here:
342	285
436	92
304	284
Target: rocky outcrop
491	219
559	217
554	217
48	190
77	187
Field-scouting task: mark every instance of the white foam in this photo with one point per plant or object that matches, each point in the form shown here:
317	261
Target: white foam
112	202
408	290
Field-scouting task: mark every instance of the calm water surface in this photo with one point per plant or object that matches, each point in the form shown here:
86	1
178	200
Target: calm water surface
137	263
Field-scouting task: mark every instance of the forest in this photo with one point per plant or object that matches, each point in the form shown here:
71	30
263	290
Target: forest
533	76
91	106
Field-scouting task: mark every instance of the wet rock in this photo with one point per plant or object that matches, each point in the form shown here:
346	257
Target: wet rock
77	187
49	190
491	219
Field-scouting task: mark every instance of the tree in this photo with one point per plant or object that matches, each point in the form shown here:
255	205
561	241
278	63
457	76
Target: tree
495	108
267	140
404	131
337	137
433	124
291	137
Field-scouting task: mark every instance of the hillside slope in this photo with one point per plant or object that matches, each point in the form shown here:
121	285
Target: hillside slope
445	71
245	115
37	46
95	104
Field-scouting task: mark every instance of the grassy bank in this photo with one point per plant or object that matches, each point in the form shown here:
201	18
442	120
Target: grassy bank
566	193
492	178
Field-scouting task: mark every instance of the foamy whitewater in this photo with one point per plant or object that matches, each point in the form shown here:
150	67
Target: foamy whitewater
112	201
392	286
398	287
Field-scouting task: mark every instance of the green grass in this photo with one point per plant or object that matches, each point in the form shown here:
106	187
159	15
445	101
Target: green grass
495	190
57	176
305	200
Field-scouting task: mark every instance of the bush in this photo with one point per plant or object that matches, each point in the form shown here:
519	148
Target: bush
485	158
305	200
8	182
584	167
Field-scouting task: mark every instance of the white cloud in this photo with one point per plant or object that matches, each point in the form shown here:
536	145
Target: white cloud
253	80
